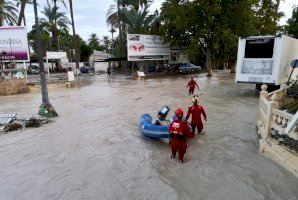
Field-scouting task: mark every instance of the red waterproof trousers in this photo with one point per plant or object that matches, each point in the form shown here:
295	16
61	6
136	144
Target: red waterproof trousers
178	141
196	122
191	89
180	146
192	85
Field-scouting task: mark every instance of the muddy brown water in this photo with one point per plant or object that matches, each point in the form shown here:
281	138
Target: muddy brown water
94	149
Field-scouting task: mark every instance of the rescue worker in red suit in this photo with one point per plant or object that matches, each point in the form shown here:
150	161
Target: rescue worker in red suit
196	112
179	131
192	85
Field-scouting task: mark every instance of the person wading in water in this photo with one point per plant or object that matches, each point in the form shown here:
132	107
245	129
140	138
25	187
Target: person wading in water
196	111
192	85
179	131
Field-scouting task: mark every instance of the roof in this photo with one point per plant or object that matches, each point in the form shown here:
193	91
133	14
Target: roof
102	54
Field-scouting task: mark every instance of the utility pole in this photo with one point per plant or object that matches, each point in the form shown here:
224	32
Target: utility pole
45	109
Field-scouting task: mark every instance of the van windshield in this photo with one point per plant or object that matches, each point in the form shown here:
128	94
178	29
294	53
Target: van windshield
259	48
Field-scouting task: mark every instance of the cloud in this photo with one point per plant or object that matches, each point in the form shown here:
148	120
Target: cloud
90	15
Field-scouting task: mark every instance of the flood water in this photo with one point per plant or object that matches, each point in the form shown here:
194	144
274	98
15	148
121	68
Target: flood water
94	149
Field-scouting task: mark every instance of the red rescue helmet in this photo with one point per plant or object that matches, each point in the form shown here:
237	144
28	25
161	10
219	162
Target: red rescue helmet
179	113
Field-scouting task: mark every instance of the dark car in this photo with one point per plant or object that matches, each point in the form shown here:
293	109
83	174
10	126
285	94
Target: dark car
188	67
85	69
33	69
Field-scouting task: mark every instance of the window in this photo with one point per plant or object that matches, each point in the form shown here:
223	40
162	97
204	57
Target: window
259	48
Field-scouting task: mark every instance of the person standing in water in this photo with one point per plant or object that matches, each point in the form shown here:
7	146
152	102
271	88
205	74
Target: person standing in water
196	112
179	131
192	85
109	71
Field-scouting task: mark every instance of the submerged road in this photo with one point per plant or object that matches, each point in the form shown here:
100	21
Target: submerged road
94	149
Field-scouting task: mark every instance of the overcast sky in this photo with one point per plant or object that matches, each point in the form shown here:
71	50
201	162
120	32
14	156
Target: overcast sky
90	15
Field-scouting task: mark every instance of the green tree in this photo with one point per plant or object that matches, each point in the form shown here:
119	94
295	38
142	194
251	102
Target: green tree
53	16
106	43
155	27
116	18
45	38
85	51
212	27
8	13
94	42
292	24
268	17
112	31
138	21
55	39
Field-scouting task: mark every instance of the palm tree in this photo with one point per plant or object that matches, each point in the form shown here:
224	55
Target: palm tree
74	38
46	109
53	17
138	21
155	28
55	40
137	4
8	12
112	31
93	41
116	18
22	10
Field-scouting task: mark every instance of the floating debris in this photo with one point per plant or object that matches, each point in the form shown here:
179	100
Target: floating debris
35	122
13	127
9	122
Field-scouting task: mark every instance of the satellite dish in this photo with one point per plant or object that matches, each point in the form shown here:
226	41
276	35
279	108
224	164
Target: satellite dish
294	64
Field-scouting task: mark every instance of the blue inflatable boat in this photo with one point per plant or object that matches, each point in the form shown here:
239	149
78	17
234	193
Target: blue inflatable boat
148	129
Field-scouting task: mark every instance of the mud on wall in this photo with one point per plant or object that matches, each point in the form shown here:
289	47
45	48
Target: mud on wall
13	86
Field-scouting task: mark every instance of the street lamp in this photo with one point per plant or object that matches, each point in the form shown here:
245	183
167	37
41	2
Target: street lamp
45	109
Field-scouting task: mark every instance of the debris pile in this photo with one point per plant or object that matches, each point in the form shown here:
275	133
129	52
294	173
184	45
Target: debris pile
9	122
291	104
285	140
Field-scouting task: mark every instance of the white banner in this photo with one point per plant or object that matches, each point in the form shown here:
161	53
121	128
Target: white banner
13	44
56	55
146	47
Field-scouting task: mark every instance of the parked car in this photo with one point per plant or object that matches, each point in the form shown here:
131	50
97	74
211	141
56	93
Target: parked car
188	67
33	69
85	69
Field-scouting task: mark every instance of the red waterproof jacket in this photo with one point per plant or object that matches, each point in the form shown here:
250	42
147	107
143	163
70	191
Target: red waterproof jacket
180	130
196	111
192	84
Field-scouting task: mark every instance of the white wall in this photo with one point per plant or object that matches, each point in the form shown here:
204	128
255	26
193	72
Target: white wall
100	66
73	65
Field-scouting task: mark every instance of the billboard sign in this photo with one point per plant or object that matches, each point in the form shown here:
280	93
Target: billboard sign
146	47
13	44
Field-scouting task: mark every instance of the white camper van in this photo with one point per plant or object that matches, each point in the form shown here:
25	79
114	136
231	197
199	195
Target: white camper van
266	60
